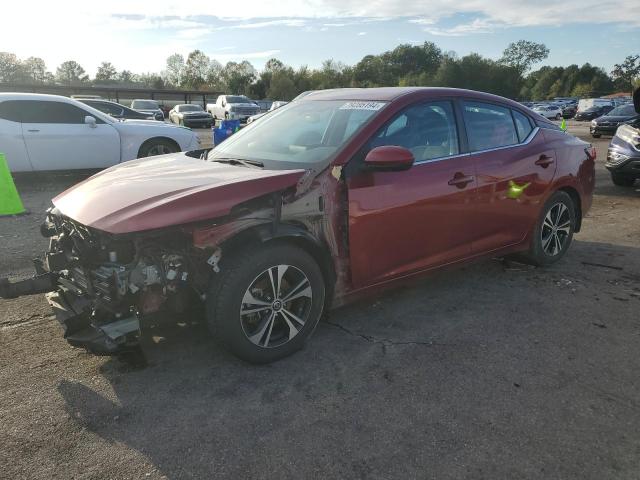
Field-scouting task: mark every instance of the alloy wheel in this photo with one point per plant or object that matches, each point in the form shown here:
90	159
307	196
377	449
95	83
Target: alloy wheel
276	306
556	228
159	149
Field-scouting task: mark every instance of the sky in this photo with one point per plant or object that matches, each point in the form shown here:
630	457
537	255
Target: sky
139	35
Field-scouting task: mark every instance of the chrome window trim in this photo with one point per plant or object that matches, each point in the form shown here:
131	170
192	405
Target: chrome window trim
527	140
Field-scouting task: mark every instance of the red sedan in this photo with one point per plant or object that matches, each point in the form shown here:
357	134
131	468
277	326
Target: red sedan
330	197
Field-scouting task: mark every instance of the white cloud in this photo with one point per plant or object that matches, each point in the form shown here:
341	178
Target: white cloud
360	34
139	34
225	57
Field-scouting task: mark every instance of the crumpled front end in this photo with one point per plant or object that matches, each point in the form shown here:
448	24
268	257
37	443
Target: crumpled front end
103	284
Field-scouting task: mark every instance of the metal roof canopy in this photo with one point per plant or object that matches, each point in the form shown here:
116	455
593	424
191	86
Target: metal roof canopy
115	93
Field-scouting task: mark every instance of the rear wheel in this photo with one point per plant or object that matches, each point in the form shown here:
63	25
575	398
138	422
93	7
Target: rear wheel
553	233
558	116
266	302
622	180
157	146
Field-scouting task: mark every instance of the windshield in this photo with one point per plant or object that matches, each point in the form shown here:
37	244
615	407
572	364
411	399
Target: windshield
298	133
238	99
146	104
623	111
189	108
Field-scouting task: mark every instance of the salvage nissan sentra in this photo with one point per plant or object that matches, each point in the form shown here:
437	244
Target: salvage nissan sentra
330	197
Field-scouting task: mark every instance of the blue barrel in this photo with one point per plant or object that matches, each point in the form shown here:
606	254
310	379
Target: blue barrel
225	130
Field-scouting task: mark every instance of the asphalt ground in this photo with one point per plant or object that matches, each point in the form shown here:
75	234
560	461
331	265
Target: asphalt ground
492	371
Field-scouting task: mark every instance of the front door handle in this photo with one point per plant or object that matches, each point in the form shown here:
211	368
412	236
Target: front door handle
33	130
544	161
460	180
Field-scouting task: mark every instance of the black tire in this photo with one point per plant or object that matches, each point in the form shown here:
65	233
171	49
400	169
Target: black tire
157	146
538	253
596	135
226	115
227	294
622	180
558	117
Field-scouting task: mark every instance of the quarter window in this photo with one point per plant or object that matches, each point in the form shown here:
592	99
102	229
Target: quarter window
523	125
36	111
428	130
488	126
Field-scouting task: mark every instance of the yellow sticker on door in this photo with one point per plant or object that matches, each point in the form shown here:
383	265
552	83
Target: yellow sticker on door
515	190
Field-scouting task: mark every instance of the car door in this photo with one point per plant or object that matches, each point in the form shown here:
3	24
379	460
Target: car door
57	137
11	139
406	221
514	169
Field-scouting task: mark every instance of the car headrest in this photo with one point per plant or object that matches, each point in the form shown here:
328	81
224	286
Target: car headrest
636	99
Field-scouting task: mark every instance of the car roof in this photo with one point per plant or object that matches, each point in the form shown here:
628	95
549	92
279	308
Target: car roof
36	96
389	94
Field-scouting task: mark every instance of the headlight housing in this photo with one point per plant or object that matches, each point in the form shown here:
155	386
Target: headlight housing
616	158
594	123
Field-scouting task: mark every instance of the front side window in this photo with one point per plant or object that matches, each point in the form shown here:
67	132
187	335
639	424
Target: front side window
299	133
488	126
36	111
428	130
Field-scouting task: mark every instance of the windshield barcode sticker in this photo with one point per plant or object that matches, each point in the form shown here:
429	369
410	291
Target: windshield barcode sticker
362	106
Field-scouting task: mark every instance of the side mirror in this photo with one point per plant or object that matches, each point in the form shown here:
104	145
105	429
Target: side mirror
91	121
390	158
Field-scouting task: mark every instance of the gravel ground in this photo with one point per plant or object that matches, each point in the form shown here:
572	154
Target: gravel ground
491	371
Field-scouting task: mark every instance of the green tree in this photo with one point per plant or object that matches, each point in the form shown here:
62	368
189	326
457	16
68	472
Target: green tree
196	70
523	54
71	73
126	77
10	68
627	71
174	70
238	77
106	72
35	70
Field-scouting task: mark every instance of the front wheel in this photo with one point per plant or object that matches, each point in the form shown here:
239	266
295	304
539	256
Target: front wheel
622	180
553	232
158	146
266	302
596	135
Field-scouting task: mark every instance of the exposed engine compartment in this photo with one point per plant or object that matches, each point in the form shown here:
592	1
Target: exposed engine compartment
115	279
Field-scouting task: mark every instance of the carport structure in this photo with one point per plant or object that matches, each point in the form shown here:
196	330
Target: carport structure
117	94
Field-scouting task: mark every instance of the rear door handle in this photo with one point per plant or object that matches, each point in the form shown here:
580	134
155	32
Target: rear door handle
33	130
544	161
460	180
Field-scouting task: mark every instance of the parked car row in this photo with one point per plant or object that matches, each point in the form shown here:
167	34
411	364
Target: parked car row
50	132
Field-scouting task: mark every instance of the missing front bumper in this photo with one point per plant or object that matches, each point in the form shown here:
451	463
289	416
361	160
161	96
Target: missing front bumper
82	330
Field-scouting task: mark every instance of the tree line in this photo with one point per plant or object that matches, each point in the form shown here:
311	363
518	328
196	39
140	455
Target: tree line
405	65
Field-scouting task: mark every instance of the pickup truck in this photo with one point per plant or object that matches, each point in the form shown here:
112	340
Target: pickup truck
232	107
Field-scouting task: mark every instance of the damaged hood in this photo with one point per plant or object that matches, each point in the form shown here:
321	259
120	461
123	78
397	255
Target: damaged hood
166	190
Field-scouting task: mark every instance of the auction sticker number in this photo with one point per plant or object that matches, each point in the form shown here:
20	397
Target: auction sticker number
362	106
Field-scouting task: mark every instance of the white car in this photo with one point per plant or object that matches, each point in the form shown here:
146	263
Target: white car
274	106
549	111
50	132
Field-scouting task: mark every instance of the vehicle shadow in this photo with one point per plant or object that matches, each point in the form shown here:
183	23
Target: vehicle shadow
423	378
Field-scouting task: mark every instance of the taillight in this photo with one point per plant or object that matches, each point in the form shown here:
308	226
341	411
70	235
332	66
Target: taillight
591	152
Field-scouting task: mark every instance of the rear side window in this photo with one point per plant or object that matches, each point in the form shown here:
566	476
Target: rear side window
428	130
488	126
523	125
36	111
10	110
